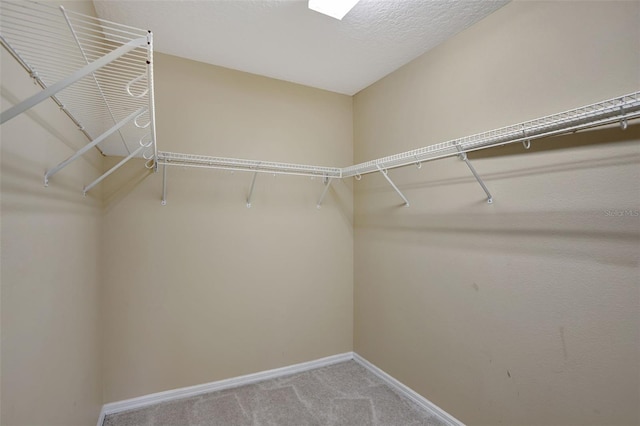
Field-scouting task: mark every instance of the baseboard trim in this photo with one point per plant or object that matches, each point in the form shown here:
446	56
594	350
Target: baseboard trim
101	416
408	392
186	392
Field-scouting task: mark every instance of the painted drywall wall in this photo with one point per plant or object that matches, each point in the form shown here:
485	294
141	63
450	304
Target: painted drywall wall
205	288
50	239
525	311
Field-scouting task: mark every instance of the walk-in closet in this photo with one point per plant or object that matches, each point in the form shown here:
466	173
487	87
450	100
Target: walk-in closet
269	212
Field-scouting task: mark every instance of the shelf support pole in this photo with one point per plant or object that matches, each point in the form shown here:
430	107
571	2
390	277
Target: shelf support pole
463	157
253	185
64	83
93	143
327	183
111	170
164	185
384	173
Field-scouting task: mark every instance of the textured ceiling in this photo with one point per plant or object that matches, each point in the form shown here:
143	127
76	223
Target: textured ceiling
283	39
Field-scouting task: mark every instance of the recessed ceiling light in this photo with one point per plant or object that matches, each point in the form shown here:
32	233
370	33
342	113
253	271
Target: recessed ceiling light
334	8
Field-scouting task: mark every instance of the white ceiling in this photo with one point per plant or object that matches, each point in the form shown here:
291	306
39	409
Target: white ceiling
284	39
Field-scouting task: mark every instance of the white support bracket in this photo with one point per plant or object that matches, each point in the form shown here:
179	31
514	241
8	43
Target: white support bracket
327	183
384	173
62	84
253	184
93	143
111	170
164	185
463	157
152	110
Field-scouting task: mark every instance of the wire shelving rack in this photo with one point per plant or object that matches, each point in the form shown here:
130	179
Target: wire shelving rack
98	72
236	164
616	110
619	109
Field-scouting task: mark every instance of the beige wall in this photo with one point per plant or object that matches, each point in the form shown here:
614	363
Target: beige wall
526	311
204	288
50	241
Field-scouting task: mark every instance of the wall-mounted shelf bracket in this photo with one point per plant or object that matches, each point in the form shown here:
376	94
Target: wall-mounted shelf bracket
327	183
623	121
164	185
386	176
463	157
253	185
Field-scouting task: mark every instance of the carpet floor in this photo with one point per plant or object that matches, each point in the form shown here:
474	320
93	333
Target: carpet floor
344	394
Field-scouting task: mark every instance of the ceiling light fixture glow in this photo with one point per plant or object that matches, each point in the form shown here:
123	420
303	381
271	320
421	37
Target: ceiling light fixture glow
334	8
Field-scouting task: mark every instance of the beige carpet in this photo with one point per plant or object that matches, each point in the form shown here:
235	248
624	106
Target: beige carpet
344	394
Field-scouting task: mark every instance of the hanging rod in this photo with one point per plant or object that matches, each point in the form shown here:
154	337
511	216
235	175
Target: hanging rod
614	110
236	164
98	72
620	109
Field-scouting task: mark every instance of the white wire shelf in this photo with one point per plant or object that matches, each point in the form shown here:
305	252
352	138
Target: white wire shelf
236	164
99	73
620	109
614	110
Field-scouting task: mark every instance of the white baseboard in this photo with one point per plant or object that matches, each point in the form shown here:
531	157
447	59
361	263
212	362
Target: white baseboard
101	416
408	392
170	395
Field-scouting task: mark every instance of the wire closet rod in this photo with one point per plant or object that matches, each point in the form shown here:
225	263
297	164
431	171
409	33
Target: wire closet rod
236	164
619	109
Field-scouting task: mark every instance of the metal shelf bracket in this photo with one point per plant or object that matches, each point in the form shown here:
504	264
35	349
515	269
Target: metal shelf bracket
463	157
164	185
327	183
384	173
253	185
113	169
